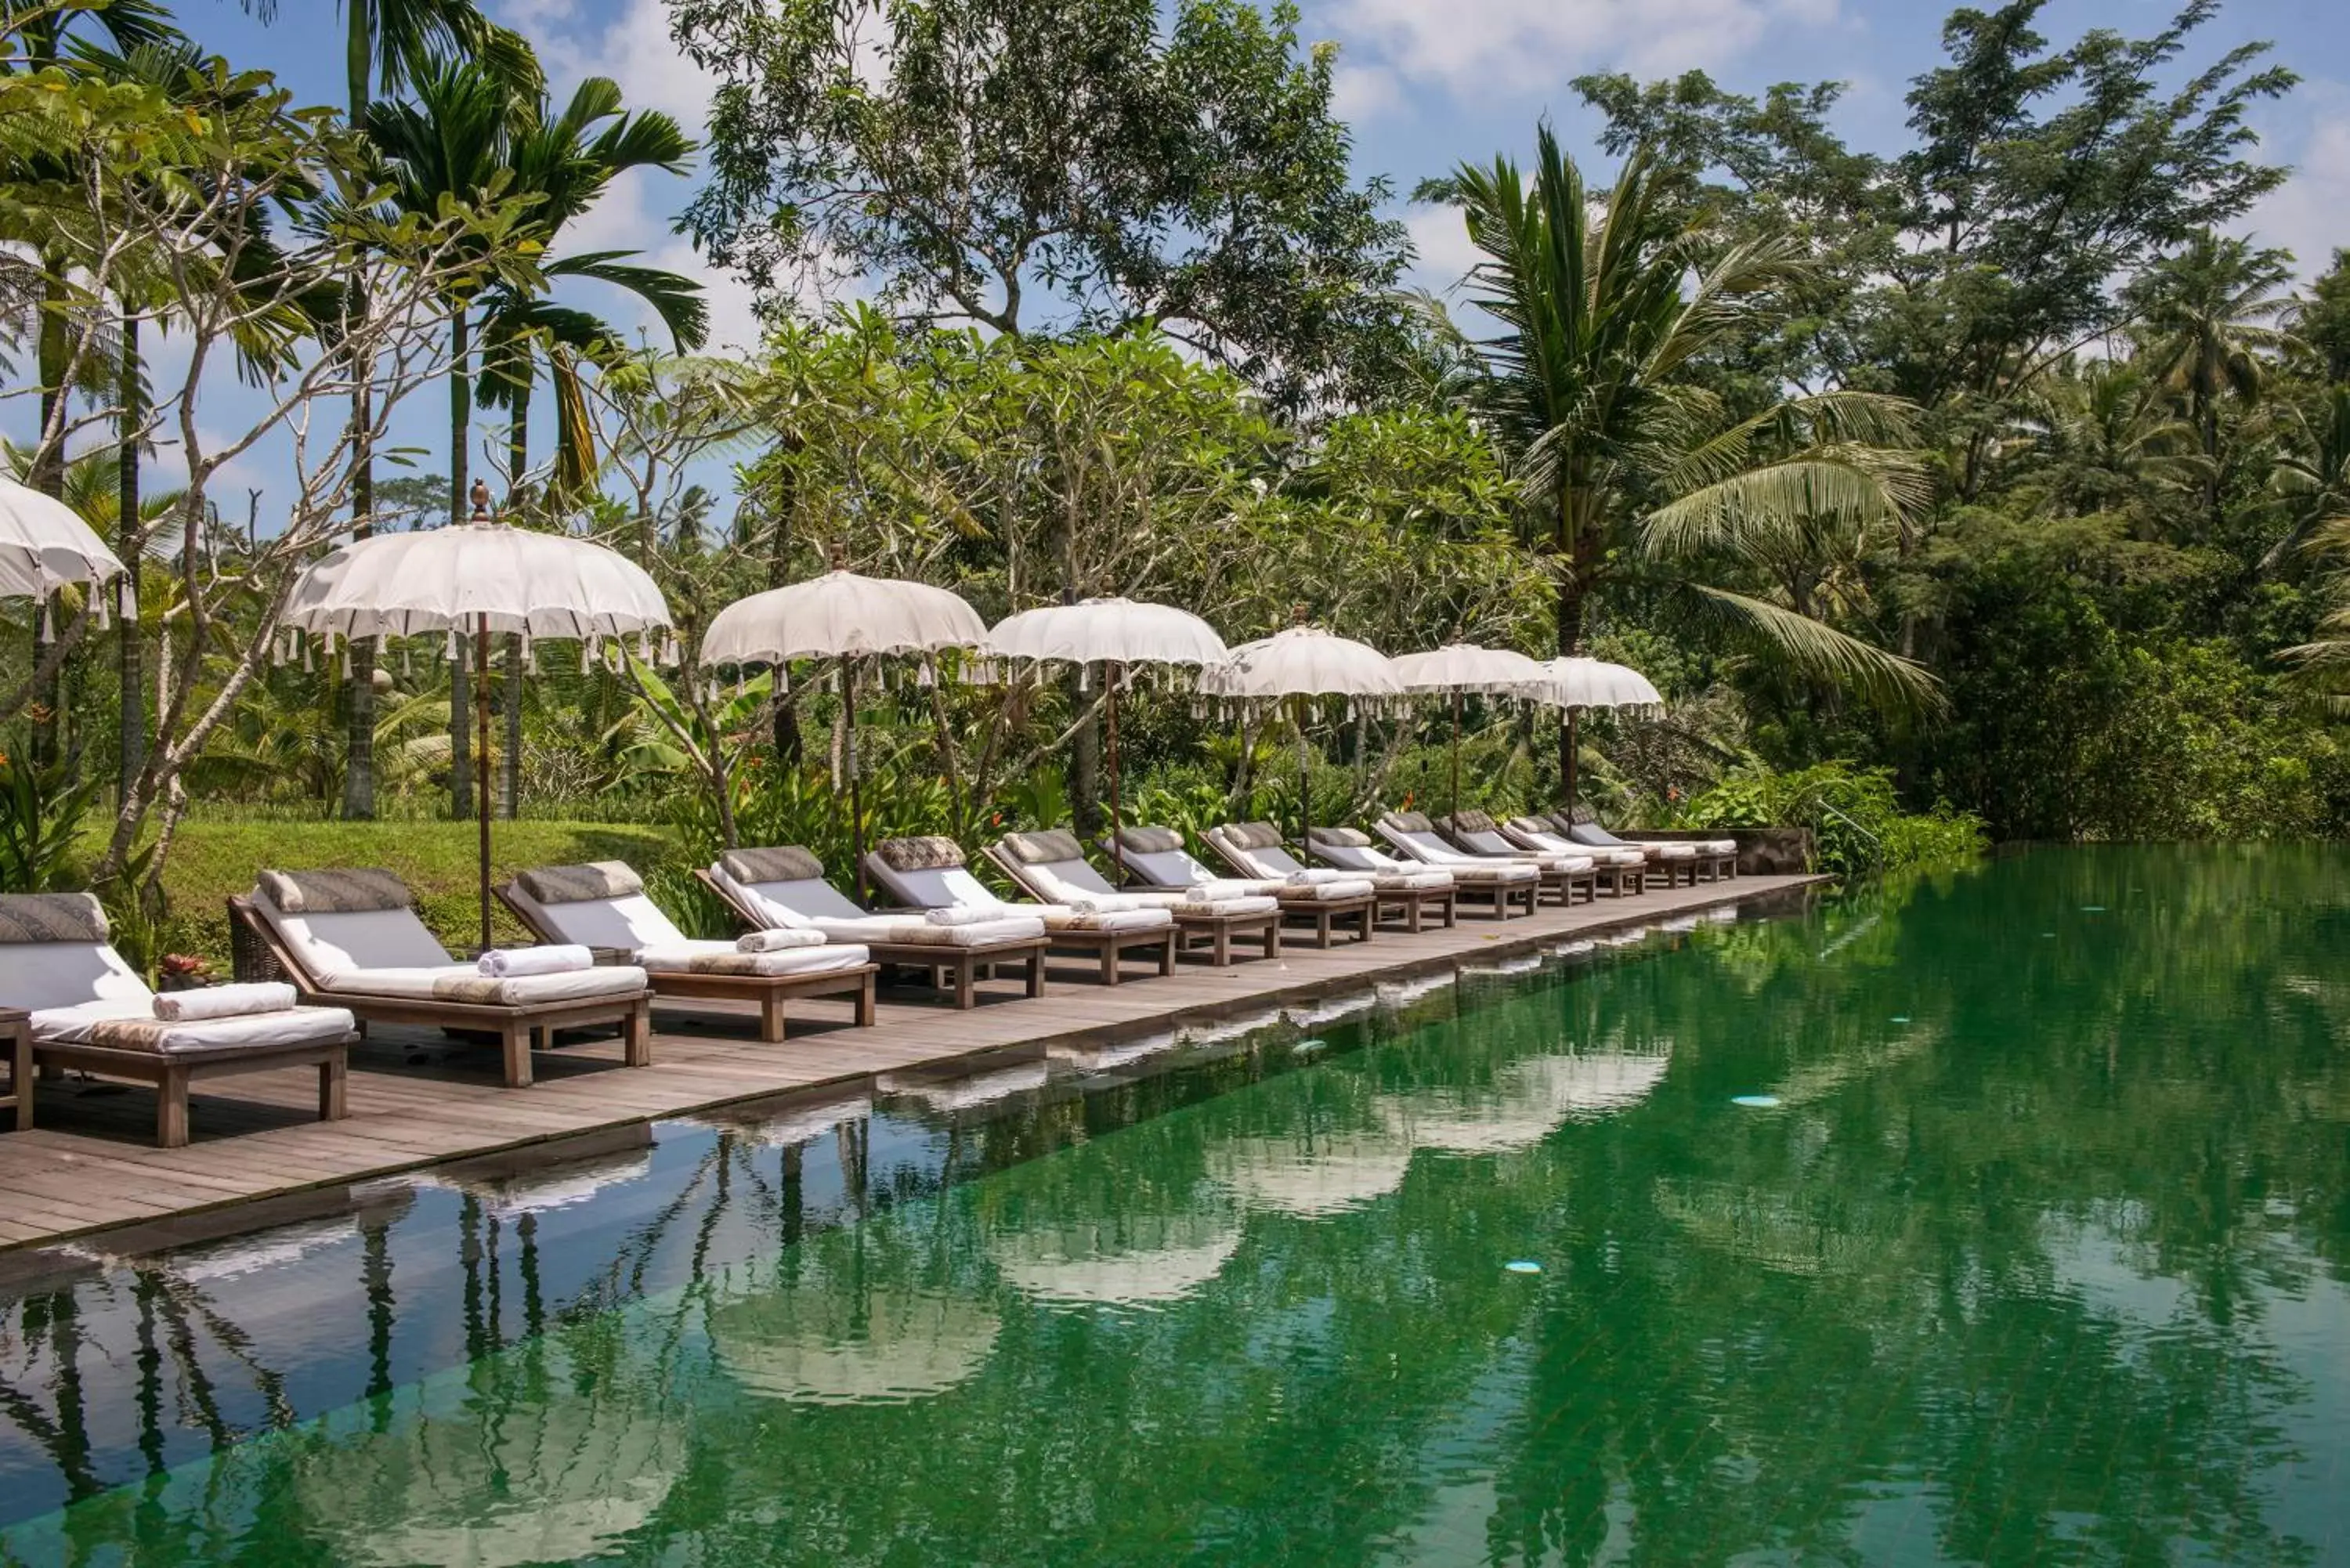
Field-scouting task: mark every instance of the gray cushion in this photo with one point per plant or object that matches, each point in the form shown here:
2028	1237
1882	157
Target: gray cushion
1345	837
1150	840
1252	836
1410	822
785	863
1533	825
1472	822
341	892
596	880
930	853
51	917
1048	847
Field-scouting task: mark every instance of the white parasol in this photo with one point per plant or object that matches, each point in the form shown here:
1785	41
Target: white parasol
849	617
1464	667
45	544
1134	1261
1573	684
1298	662
1112	632
479	577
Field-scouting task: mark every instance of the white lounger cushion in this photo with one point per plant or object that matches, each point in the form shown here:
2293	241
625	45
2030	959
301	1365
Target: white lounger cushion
1552	844
82	994
818	906
953	886
1292	883
1467	869
389	952
1175	871
1387	873
639	927
1573	861
1063	882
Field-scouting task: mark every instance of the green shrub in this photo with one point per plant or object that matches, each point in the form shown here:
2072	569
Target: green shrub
1854	815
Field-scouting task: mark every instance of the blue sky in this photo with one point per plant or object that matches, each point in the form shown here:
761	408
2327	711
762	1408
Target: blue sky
1427	83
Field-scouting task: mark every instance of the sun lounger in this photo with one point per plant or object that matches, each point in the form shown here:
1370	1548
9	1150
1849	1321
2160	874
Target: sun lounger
1320	895
929	873
1713	859
1051	866
783	889
1506	882
1411	893
91	1012
1565	873
1619	871
352	938
602	907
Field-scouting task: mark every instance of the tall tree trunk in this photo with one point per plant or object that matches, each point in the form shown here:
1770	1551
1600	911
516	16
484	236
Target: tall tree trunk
49	477
128	652
788	745
1085	761
359	698
461	689
510	698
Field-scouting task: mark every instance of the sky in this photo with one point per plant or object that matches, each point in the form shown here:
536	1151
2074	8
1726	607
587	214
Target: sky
1424	83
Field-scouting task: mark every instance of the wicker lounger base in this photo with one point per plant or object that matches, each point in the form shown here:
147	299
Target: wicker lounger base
1220	930
1414	907
1326	915
1108	948
957	968
170	1075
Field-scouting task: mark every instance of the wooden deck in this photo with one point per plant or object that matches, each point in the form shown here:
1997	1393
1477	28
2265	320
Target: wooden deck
416	1099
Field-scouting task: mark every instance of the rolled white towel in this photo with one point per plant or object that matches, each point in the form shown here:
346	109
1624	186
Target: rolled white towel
957	915
223	1001
776	941
559	958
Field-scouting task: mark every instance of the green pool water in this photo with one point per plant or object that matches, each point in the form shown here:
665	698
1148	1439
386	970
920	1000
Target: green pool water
2000	1218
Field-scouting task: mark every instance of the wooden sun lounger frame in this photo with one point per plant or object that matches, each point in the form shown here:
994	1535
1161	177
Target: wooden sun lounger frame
1265	925
1563	883
1685	870
1325	915
517	1026
769	990
942	960
1409	905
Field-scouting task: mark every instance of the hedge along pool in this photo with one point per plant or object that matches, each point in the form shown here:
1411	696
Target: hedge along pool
1881	1227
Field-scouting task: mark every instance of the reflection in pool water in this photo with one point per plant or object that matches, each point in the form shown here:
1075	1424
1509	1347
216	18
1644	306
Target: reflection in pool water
2052	1268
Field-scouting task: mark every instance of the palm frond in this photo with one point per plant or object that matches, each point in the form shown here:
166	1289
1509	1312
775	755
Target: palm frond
1892	684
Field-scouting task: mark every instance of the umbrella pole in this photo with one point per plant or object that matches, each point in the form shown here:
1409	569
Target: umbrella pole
1305	778
1111	672
482	758
848	755
1456	754
1569	760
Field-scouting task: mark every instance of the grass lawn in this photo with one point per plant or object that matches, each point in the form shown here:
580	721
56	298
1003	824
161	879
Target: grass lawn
212	860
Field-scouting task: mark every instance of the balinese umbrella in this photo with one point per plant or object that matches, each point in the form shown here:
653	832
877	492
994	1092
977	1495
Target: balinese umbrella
1297	663
45	544
1574	684
1464	667
484	577
842	616
1113	633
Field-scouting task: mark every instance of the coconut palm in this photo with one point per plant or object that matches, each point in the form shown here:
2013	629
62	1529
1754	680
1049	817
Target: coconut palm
2106	439
1608	308
2207	323
2313	470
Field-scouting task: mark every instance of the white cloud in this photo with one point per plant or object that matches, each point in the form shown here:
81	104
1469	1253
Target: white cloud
1362	92
1439	238
1482	47
2305	214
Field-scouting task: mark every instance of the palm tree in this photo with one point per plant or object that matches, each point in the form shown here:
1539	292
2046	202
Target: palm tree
2313	470
2207	322
566	161
2106	439
1590	387
389	45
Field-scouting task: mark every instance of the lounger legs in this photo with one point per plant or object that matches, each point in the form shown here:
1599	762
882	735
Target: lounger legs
1167	953
333	1102
966	984
514	1040
771	1018
866	1008
1036	974
1110	963
172	1108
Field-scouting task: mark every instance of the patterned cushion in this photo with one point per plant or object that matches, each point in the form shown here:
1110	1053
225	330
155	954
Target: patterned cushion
1410	822
1150	840
51	917
1047	847
1345	837
930	853
596	880
1582	813
1473	822
1533	825
788	863
349	892
1252	836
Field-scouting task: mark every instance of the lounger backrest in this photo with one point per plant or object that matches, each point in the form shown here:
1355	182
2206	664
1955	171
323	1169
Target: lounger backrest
1173	869
934	887
635	921
1258	846
346	920
1483	843
54	953
1051	865
1595	836
790	906
1536	834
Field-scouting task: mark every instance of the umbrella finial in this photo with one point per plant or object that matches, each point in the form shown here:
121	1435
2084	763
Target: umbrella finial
1298	614
835	554
480	498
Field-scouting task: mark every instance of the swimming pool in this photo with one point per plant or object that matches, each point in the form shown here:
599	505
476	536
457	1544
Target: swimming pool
2002	1217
